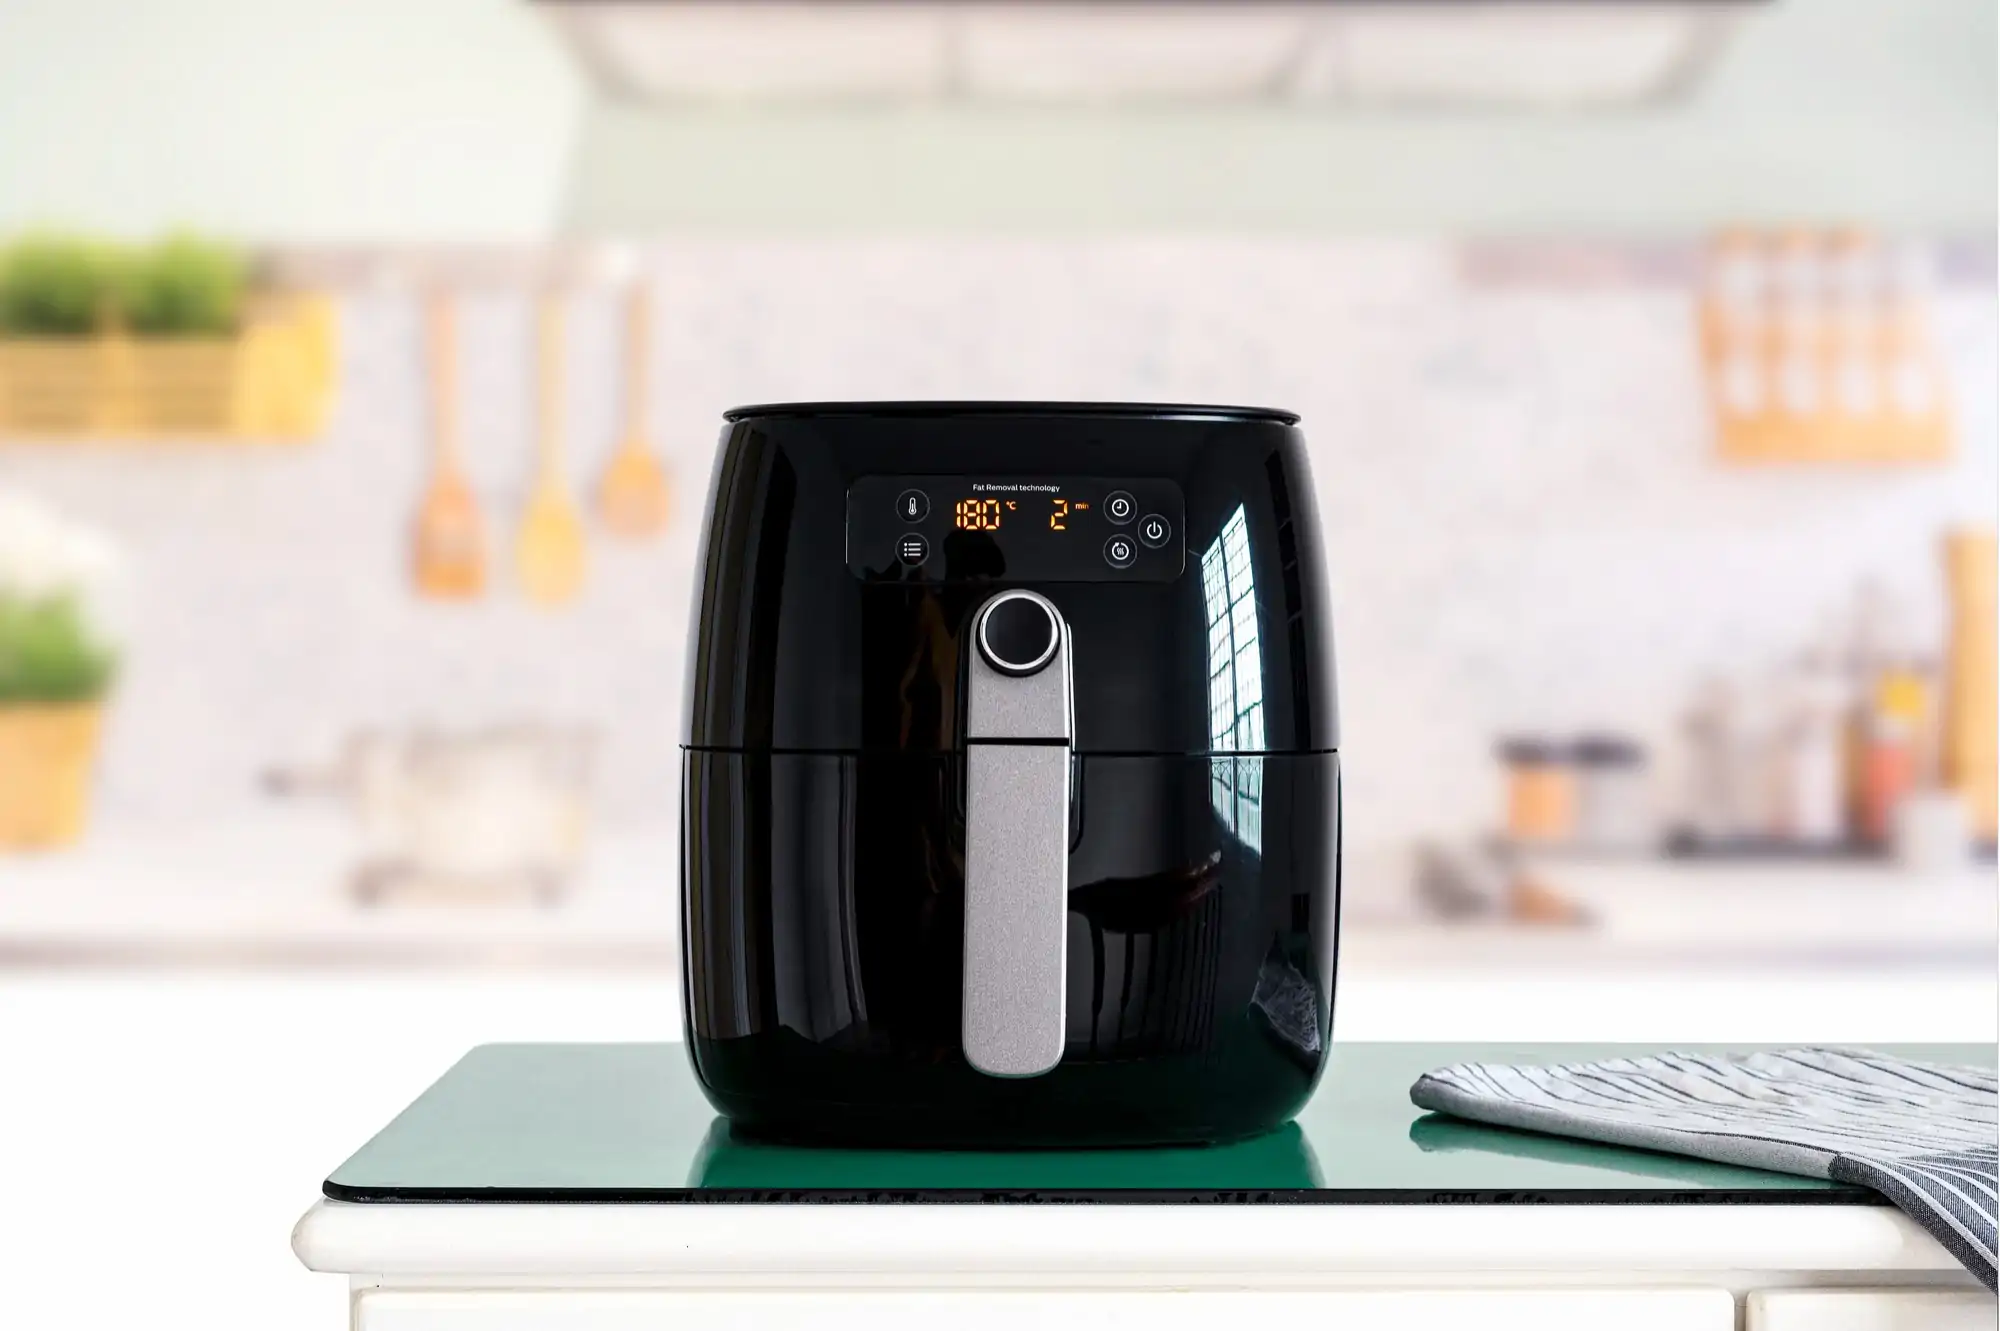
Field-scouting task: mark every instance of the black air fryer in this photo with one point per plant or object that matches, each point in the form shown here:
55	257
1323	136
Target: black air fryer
1011	780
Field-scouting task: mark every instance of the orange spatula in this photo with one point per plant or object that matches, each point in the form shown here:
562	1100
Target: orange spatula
549	550
448	546
633	495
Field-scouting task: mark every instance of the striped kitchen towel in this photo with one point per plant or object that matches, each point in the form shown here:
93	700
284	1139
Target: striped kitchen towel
1922	1134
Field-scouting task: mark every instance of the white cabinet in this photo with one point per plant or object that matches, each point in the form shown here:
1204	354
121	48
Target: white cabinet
1869	1310
1404	1310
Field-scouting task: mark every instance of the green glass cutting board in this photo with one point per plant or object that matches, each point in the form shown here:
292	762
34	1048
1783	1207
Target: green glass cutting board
626	1123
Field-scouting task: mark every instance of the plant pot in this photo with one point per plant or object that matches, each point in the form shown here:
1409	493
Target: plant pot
47	754
271	380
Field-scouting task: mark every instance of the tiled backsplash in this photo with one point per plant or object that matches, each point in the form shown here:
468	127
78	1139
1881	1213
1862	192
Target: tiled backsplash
1526	525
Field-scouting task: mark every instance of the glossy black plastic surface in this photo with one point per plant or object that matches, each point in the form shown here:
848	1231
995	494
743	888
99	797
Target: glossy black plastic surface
823	921
1003	409
823	842
792	652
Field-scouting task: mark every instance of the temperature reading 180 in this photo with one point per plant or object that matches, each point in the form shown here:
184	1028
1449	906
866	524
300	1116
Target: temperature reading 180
976	515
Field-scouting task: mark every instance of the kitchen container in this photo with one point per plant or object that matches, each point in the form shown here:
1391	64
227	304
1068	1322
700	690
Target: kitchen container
496	813
48	753
1932	832
1613	810
1541	791
1971	735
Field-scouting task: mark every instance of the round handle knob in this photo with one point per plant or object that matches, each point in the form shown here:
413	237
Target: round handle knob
1019	633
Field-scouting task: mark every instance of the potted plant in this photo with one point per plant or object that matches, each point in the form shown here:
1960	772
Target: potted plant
57	667
176	338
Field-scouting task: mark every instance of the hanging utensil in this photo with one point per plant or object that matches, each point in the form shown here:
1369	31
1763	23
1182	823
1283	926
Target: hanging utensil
634	497
549	551
448	553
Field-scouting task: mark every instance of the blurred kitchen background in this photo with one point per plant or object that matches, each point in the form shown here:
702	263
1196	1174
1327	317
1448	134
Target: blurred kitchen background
1574	632
361	366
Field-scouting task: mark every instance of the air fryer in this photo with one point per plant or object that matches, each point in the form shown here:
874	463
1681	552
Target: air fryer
1011	785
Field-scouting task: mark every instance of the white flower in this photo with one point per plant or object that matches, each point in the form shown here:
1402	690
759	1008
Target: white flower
43	555
31	548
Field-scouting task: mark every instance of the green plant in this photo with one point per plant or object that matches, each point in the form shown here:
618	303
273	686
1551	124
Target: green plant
184	286
72	286
56	286
48	653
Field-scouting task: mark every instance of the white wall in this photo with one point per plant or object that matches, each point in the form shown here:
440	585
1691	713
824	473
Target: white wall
285	119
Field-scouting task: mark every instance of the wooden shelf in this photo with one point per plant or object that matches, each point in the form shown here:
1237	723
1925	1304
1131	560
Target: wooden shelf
272	381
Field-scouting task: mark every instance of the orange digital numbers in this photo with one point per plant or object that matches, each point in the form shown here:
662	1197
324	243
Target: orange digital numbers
976	515
1056	518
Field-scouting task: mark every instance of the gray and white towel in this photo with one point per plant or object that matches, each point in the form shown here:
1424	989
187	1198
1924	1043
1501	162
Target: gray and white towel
1922	1134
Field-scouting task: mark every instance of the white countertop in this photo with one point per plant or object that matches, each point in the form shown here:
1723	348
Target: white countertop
271	891
1214	1246
274	891
1704	915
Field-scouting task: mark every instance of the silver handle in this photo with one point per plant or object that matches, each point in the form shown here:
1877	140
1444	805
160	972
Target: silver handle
1017	797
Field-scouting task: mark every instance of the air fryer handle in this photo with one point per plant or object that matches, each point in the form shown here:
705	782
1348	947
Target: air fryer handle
1017	801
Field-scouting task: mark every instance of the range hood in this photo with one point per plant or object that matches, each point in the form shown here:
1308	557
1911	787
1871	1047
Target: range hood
1553	54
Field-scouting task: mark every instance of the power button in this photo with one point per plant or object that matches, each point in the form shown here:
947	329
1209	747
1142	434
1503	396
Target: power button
1120	551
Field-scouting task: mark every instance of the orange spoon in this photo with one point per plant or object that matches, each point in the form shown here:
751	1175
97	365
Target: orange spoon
549	551
448	549
633	496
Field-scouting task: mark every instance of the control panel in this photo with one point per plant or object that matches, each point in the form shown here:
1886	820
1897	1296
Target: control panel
1025	528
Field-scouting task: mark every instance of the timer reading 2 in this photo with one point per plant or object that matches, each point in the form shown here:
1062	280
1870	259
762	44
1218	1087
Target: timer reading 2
984	514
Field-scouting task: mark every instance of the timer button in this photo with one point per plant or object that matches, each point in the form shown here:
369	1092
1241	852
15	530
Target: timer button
1120	551
913	505
1120	507
912	548
1154	531
1019	633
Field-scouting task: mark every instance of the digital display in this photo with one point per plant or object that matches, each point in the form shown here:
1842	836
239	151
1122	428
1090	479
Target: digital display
987	514
1042	528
